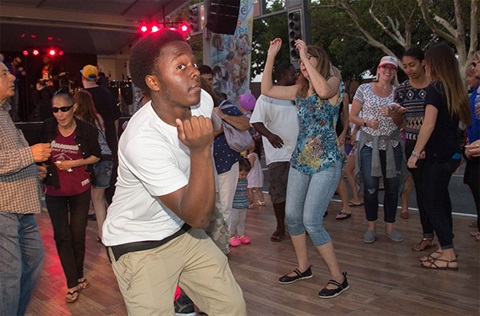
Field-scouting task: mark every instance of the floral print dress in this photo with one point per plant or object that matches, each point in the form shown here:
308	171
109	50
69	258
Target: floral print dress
316	147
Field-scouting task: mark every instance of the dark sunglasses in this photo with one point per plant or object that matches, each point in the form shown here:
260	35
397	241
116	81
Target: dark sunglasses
63	109
474	64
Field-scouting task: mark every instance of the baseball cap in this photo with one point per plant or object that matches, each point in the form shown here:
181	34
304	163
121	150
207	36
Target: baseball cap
89	72
388	60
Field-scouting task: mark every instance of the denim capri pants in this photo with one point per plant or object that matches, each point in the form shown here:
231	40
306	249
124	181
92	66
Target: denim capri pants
308	196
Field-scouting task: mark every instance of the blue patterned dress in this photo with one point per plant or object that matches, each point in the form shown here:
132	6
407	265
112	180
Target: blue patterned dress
316	148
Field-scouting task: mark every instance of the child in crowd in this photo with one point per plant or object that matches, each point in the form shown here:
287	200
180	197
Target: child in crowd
254	178
238	216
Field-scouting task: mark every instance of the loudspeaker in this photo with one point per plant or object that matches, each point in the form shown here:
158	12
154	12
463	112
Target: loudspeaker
223	16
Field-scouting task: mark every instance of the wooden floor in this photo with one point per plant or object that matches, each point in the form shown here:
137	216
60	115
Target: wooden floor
385	277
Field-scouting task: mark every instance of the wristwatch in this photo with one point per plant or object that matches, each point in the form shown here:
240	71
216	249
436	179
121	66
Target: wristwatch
365	123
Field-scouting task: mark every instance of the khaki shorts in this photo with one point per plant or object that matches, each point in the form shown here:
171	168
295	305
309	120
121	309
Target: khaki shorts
278	178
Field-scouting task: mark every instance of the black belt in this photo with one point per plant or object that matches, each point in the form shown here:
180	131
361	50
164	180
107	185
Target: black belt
120	250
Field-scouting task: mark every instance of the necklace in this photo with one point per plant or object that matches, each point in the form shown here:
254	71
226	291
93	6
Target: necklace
67	131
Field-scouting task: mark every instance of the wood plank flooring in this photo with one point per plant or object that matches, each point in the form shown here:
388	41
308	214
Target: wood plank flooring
385	277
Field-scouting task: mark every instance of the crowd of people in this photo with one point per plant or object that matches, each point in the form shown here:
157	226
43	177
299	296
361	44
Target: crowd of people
182	193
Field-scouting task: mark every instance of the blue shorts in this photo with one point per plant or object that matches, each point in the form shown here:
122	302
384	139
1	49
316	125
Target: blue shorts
103	173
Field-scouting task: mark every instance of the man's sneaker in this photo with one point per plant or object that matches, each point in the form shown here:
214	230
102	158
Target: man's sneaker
244	239
369	237
235	241
184	306
394	235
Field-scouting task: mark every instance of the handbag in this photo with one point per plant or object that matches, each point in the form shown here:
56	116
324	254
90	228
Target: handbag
237	140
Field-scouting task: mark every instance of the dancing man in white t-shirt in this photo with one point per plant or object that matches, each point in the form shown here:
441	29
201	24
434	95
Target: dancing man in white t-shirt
165	190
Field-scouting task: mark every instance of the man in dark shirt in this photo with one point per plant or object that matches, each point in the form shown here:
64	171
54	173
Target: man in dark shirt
106	106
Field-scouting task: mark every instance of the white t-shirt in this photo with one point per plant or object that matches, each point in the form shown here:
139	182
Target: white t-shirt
280	118
152	162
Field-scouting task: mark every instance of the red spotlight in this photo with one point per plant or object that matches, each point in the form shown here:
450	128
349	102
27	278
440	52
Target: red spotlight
60	53
35	52
25	52
50	38
143	28
33	36
184	28
52	52
155	29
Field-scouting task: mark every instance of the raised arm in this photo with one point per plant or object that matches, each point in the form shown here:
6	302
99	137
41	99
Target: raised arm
325	89
267	87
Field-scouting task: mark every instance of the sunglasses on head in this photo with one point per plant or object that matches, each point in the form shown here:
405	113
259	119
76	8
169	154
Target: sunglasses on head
63	109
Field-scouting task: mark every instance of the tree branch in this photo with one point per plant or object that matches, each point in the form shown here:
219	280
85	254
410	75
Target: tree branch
431	23
398	39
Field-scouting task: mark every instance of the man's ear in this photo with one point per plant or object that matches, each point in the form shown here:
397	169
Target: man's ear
152	82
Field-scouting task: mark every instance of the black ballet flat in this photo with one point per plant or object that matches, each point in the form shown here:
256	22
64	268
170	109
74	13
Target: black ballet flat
307	274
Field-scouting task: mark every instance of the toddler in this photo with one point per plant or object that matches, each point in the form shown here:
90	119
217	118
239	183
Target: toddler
255	178
238	216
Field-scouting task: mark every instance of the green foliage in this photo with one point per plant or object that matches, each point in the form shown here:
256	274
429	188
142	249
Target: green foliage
263	32
336	32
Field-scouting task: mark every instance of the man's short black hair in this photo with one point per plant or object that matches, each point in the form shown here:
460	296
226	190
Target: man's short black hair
282	69
145	53
205	69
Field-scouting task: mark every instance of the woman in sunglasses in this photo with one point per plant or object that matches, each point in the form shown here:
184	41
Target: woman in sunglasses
67	185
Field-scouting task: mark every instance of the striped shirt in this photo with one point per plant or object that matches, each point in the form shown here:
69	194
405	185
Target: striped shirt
19	186
240	199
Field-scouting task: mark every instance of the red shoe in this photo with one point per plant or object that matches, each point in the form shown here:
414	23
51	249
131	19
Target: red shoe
235	241
244	239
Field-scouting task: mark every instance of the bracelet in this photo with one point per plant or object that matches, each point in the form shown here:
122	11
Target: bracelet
416	155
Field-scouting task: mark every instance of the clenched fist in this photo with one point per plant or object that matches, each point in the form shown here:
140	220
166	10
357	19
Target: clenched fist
41	152
195	132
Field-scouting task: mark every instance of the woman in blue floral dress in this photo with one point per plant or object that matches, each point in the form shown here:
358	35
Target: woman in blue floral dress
315	166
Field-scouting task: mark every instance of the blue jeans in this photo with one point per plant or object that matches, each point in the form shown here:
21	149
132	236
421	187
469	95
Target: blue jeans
69	216
437	199
370	184
307	200
21	261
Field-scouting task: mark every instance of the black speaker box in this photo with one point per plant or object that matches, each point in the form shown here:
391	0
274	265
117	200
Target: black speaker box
223	16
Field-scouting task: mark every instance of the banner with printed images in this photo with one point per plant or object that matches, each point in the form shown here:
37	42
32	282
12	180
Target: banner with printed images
231	56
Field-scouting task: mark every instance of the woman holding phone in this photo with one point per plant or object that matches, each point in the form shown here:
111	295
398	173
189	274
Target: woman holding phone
411	95
380	152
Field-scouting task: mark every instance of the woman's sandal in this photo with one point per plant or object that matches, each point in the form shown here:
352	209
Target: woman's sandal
72	296
260	203
434	264
83	284
343	215
433	256
424	244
